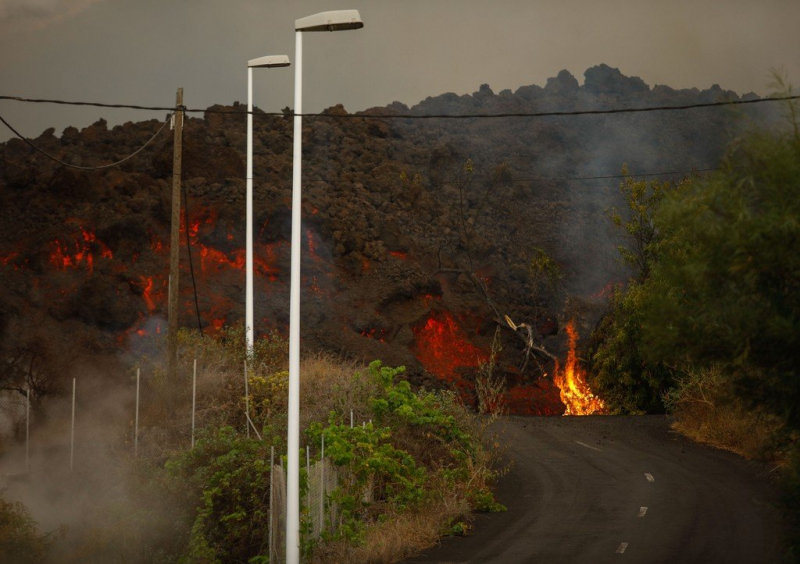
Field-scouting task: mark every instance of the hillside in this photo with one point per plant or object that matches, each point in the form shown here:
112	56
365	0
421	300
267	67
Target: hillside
393	226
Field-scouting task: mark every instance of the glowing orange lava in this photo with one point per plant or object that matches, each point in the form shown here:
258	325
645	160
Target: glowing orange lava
147	292
5	259
605	292
378	335
443	348
575	392
312	245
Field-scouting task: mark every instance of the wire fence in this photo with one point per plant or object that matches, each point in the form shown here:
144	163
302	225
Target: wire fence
76	434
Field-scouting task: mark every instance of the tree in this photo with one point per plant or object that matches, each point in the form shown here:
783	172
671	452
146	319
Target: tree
729	274
619	372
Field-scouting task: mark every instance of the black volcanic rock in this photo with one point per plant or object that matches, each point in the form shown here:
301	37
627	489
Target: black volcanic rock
604	80
392	218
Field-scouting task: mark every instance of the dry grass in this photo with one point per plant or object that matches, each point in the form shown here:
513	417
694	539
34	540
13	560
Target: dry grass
329	384
706	411
400	535
729	426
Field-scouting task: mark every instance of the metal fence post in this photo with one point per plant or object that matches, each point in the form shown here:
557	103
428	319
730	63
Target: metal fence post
271	497
136	420
194	396
72	432
322	486
246	401
28	431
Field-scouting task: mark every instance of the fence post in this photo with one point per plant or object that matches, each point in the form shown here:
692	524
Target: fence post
351	418
136	420
246	401
194	396
322	486
271	497
72	432
28	431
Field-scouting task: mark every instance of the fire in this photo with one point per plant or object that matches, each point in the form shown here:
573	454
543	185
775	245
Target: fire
575	392
444	348
399	254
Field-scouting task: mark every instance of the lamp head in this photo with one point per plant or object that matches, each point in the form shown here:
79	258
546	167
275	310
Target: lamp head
269	61
338	20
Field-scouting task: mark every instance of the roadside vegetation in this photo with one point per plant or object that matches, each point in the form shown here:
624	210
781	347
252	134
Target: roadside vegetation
708	327
412	469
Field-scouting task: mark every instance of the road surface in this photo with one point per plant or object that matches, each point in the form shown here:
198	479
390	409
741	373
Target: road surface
620	489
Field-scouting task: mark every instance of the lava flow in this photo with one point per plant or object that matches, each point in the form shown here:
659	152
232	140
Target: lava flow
444	349
575	392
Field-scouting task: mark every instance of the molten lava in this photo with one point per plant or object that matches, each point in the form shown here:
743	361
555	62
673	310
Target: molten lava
575	392
377	334
78	254
444	348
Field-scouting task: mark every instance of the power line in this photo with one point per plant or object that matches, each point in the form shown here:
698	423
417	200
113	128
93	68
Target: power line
535	179
413	116
189	251
59	161
603	177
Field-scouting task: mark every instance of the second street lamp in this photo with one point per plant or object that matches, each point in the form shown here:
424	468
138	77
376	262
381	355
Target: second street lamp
269	61
326	21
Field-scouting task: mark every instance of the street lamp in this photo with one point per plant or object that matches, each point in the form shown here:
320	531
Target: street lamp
269	61
326	21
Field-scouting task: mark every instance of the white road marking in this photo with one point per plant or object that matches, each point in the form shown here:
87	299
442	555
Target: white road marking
642	511
589	446
622	547
649	477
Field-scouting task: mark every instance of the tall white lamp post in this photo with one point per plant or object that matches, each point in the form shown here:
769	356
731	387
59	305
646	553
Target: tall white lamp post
326	21
262	62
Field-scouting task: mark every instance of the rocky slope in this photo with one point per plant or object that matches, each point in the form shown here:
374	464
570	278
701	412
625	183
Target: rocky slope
396	230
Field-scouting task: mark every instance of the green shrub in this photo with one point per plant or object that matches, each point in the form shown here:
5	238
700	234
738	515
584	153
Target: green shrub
20	540
229	474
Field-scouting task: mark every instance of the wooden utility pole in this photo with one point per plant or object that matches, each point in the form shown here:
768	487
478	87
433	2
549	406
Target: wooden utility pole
175	242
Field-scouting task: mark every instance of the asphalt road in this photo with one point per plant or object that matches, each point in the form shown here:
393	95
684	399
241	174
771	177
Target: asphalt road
620	489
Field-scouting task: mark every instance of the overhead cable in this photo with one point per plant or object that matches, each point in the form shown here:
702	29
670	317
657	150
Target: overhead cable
415	116
59	161
604	177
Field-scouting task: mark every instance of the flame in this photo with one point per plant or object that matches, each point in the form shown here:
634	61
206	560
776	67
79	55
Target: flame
399	254
575	392
443	348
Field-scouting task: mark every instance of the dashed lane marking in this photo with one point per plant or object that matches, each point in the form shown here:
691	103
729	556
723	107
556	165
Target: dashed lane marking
621	548
642	511
649	477
589	446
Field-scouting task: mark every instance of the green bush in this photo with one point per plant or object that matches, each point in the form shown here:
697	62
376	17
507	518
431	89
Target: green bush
229	475
20	540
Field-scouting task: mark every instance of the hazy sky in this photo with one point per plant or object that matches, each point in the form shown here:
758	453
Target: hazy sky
140	51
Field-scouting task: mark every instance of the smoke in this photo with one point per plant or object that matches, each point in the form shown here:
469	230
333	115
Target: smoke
82	482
